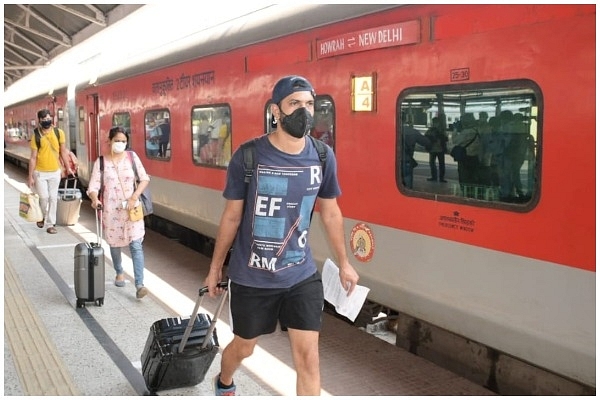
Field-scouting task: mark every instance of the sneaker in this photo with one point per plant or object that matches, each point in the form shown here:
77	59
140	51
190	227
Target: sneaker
219	391
141	292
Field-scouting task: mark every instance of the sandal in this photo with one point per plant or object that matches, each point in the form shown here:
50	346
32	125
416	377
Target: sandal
51	230
120	282
40	224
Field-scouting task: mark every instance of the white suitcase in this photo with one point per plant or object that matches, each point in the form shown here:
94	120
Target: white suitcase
69	203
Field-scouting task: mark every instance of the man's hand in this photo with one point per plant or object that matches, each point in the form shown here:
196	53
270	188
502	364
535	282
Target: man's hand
348	277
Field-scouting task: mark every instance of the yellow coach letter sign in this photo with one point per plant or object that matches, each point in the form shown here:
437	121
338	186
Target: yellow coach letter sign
363	93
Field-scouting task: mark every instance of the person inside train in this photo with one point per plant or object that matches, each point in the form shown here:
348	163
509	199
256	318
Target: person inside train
468	168
484	128
272	274
411	137
516	142
165	137
112	188
324	128
518	149
437	151
47	149
153	135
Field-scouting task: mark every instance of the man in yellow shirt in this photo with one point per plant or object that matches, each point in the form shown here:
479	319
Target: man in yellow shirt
44	167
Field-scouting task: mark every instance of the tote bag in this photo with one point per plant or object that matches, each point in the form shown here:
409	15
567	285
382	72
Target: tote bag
29	207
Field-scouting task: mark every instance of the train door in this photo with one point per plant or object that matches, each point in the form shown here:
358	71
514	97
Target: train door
88	124
93	128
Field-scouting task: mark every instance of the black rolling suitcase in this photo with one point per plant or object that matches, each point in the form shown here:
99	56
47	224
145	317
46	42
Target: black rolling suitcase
179	352
89	269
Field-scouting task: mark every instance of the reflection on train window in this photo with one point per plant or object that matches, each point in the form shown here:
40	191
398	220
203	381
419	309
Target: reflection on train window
124	121
497	126
157	131
211	135
16	131
324	120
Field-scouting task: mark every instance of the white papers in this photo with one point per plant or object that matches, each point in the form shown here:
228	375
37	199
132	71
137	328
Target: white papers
348	306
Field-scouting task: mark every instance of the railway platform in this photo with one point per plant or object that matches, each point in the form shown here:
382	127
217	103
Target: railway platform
53	348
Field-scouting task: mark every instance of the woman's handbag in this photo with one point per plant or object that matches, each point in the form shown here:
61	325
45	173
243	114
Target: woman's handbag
146	196
146	202
458	153
29	207
136	213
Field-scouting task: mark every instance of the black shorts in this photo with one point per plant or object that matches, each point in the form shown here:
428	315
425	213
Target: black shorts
255	311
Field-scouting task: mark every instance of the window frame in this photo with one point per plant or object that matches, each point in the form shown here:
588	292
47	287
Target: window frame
213	113
522	87
157	114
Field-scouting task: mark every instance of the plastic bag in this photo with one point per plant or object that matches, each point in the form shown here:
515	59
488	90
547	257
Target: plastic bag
29	207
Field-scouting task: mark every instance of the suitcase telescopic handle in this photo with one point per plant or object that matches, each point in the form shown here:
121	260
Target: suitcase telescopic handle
213	324
204	290
98	213
67	179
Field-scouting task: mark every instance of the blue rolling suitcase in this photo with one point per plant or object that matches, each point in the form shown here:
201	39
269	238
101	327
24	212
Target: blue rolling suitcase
179	352
89	276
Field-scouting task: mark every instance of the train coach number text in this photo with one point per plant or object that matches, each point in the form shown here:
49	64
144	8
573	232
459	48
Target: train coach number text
460	74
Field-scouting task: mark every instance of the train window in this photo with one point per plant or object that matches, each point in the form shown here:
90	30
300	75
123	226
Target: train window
60	119
211	135
124	121
81	124
324	120
158	134
497	125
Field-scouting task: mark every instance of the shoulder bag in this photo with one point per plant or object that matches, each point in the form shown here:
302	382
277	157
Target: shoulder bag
459	153
146	196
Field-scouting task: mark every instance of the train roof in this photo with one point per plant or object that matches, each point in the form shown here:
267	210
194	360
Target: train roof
118	51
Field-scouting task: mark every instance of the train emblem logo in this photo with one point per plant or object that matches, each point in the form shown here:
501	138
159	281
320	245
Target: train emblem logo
362	242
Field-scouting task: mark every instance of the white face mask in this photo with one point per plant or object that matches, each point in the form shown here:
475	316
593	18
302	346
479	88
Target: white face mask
118	147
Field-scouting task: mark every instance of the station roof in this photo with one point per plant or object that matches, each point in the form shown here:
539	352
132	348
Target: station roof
34	34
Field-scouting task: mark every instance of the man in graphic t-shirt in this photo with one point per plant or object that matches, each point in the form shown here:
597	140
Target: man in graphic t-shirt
273	277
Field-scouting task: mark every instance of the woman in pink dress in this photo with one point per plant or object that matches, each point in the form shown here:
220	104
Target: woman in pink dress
114	178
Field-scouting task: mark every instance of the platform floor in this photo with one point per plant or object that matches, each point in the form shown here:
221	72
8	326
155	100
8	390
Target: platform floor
53	348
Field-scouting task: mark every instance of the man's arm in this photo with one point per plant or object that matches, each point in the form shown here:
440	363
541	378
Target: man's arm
32	165
228	227
332	218
64	155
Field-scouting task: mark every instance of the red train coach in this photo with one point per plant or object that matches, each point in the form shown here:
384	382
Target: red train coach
500	250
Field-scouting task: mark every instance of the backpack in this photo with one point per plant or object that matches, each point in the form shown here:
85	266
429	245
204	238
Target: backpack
250	163
38	136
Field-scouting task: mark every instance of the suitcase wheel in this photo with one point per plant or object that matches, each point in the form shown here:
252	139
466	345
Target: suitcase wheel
100	302
80	303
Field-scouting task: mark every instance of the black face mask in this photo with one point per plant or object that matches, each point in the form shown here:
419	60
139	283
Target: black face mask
46	124
298	123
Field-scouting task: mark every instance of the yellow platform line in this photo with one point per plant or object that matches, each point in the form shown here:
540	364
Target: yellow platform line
39	366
